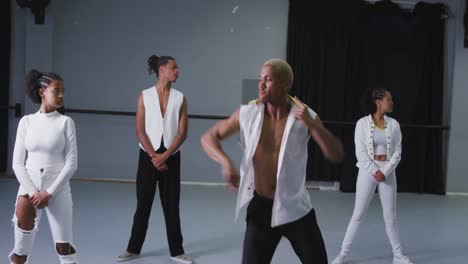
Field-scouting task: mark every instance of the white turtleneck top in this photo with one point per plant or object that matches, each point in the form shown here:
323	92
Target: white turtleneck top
45	142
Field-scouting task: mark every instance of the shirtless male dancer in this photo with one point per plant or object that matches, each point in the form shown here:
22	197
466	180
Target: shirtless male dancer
274	131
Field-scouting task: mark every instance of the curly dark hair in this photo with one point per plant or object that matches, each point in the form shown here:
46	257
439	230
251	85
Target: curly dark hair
35	80
154	62
370	98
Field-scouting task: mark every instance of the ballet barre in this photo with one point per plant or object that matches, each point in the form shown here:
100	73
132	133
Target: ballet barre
125	113
18	114
16	108
216	117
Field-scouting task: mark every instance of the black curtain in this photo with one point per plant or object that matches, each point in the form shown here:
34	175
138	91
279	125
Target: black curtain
5	25
338	49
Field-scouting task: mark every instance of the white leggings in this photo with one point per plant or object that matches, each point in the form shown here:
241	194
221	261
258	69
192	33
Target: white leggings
365	188
59	214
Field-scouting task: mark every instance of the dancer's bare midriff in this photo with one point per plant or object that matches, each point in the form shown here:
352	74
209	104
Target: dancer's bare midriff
265	160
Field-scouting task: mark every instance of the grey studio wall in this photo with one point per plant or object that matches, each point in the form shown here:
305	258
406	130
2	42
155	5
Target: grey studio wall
101	47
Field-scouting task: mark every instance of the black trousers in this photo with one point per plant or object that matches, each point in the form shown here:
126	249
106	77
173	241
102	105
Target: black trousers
169	192
261	239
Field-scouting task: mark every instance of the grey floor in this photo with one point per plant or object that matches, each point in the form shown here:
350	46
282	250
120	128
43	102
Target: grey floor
433	229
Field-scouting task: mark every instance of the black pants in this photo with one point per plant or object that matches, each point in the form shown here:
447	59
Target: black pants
261	239
169	192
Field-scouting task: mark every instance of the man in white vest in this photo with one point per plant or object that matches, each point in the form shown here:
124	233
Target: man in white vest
161	125
274	131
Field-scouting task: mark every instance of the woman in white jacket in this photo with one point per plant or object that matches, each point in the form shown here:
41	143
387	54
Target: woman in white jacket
47	138
378	150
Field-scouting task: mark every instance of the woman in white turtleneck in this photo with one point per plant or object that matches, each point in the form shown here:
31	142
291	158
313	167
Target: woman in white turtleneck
378	152
44	160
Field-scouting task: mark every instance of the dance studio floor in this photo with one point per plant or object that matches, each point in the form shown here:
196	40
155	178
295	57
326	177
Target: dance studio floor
433	229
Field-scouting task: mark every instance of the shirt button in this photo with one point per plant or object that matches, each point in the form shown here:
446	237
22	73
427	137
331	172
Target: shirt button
42	170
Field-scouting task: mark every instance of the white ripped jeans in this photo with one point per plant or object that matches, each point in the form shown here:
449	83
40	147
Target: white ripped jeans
365	188
59	214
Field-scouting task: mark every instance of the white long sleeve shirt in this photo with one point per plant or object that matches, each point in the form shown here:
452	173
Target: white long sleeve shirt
291	201
364	141
49	141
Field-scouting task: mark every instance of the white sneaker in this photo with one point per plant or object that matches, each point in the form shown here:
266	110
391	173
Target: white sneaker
402	260
127	256
185	259
339	260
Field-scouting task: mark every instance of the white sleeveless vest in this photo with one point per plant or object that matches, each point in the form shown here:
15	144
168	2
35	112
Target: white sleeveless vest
291	200
156	126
